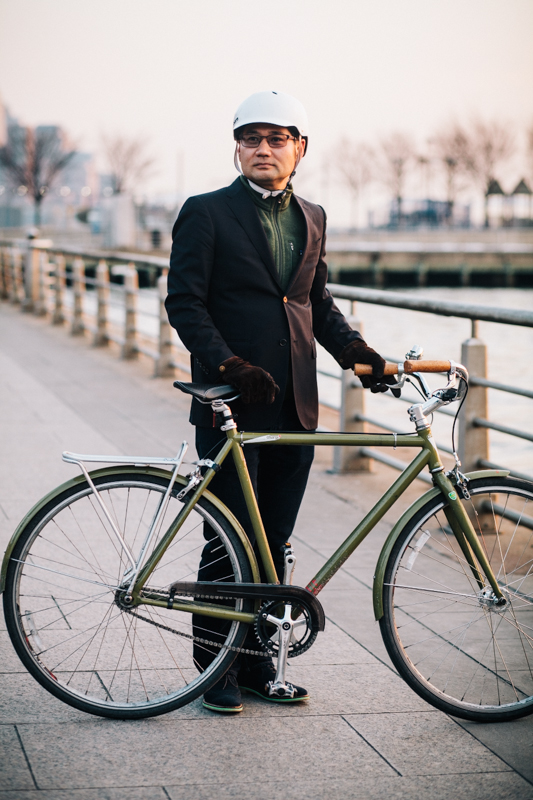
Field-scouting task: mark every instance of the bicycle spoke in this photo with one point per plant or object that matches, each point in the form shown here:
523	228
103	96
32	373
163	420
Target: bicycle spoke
66	600
483	660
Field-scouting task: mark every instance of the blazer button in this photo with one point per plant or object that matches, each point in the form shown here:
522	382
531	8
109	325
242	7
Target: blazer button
285	300
282	342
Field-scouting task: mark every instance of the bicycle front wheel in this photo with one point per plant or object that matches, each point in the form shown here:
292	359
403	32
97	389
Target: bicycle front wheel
62	604
449	641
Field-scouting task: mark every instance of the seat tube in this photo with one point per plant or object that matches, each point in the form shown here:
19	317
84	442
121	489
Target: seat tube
253	508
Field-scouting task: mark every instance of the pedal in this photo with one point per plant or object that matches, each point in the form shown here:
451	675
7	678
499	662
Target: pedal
281	689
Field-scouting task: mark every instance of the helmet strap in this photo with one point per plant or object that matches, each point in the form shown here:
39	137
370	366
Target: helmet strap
293	173
236	159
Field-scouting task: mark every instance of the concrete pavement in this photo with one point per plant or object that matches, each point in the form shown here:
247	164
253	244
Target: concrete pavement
363	734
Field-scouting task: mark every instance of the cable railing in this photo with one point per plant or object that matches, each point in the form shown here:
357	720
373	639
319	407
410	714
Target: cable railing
97	294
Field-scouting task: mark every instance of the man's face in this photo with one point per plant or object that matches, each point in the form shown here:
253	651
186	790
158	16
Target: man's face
269	166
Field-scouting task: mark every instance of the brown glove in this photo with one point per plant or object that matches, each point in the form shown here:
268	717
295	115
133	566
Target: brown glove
255	384
358	352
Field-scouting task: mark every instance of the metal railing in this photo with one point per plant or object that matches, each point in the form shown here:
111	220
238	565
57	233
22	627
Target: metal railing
473	422
81	289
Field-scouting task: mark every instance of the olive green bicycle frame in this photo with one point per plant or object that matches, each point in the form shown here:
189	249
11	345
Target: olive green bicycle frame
236	441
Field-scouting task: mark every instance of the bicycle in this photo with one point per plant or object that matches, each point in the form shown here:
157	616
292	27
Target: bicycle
100	579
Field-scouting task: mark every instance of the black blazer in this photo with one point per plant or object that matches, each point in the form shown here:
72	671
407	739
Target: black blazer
224	299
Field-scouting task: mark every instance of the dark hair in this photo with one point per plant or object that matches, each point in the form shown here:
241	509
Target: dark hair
238	132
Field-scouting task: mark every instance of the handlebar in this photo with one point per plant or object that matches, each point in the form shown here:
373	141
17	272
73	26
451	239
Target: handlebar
408	367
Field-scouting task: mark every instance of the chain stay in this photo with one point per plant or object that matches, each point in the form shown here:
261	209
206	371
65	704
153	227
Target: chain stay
197	639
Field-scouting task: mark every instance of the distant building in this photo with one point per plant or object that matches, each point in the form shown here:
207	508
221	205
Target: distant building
522	205
513	210
15	209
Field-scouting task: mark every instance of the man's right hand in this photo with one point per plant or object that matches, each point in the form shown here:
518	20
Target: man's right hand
358	352
255	384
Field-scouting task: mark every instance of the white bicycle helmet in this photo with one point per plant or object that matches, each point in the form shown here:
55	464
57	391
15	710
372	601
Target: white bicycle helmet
276	108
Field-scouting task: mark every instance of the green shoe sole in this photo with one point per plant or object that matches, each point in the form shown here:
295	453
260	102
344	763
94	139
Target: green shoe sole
274	699
223	709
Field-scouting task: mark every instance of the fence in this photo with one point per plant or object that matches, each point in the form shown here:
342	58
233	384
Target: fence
80	289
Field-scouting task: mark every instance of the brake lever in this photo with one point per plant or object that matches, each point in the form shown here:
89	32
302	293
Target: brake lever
422	383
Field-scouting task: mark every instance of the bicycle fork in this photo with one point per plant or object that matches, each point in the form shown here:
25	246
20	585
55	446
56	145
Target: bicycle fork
468	540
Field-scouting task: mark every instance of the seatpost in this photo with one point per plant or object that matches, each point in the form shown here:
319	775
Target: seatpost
220	407
290	563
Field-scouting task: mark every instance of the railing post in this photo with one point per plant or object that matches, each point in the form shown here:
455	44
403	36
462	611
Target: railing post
40	308
78	284
5	276
349	459
164	365
101	338
17	277
131	284
473	441
58	314
31	278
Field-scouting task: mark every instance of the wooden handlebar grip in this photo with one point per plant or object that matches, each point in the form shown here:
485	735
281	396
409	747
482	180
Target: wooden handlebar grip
408	366
426	366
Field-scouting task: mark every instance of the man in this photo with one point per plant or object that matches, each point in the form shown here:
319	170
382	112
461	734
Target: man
247	295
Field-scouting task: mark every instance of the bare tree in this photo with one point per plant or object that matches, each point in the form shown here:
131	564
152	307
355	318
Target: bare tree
452	149
128	161
33	158
397	152
529	152
354	162
490	144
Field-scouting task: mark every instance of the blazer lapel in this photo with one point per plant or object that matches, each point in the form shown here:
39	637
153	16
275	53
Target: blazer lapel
243	208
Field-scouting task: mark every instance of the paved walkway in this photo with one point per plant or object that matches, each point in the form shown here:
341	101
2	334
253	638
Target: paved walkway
363	734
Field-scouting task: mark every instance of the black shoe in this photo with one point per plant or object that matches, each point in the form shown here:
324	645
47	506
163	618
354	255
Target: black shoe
224	696
258	679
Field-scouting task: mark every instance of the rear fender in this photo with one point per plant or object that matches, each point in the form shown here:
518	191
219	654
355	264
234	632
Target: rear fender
52	497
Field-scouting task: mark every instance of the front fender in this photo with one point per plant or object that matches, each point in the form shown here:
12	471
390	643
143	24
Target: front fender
379	577
119	470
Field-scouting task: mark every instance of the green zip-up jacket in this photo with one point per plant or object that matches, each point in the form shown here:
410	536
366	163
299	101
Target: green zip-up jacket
285	229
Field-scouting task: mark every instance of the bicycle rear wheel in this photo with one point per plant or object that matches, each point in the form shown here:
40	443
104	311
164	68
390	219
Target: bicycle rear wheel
61	604
448	640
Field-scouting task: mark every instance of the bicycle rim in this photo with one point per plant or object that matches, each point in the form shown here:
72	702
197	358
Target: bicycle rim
447	638
61	601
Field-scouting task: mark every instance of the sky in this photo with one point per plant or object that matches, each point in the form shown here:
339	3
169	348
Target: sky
174	71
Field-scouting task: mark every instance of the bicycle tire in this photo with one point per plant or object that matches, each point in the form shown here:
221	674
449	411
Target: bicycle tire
60	600
453	646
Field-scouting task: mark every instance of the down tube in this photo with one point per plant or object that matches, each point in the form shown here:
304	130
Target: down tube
353	541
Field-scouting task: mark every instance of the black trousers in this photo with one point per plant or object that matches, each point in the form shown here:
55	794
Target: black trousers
279	475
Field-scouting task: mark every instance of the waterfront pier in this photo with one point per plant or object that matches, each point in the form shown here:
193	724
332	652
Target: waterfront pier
433	258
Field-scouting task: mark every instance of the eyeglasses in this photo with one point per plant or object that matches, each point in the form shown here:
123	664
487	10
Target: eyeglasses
274	140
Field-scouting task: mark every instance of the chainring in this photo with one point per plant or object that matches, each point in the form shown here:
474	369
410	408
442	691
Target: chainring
267	633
